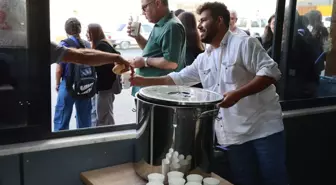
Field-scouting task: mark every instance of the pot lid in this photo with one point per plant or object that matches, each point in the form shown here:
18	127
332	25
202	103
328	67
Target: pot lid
180	95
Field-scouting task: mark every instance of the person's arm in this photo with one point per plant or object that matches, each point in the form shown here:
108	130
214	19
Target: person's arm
172	47
257	61
148	81
58	75
141	41
59	68
92	57
83	56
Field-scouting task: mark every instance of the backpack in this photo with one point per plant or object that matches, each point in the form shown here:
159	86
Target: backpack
81	80
117	85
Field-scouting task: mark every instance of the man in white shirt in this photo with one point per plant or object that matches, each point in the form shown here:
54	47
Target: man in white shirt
233	20
251	124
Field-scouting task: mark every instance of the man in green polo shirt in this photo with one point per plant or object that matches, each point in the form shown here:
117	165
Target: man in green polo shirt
165	49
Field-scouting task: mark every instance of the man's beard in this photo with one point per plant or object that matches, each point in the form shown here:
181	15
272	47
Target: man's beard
210	35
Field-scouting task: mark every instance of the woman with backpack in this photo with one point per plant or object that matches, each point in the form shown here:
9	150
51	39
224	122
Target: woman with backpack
68	83
108	83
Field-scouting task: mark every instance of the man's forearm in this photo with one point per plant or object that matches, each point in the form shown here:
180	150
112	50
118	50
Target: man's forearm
258	84
161	63
58	74
90	57
141	41
58	78
164	80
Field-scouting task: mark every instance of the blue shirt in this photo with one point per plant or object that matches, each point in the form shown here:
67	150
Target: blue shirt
64	65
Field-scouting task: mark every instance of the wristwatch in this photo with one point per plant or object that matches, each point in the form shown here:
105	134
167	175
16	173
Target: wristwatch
146	61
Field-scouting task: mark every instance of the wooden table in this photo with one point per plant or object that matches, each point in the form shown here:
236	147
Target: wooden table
120	175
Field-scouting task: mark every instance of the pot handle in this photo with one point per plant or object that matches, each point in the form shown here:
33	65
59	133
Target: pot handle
213	112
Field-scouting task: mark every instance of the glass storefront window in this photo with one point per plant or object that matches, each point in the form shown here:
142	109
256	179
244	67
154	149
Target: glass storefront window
13	61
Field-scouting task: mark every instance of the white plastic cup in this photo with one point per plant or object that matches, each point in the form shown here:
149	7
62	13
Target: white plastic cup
175	167
195	178
165	167
175	160
181	157
171	150
156	177
174	175
168	156
125	77
189	157
135	27
177	181
184	166
154	183
210	181
193	183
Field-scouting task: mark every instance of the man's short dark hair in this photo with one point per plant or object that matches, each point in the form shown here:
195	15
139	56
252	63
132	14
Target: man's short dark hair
216	9
73	26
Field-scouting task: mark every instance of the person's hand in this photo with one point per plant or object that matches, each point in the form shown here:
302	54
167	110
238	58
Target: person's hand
137	62
121	61
230	99
137	80
57	87
130	29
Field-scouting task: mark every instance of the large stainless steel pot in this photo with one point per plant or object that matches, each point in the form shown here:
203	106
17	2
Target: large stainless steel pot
175	117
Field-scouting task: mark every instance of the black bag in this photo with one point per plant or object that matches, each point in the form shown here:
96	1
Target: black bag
81	80
116	84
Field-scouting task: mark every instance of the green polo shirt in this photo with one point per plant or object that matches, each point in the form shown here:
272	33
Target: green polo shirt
167	40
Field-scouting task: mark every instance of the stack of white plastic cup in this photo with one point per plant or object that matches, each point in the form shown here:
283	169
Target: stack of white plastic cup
188	158
165	167
175	154
184	166
175	166
169	156
181	157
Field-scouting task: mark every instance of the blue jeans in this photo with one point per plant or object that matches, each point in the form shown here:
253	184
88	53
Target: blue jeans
64	108
327	86
259	162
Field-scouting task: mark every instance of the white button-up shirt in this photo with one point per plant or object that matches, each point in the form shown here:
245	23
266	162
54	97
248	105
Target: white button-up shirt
239	31
242	59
